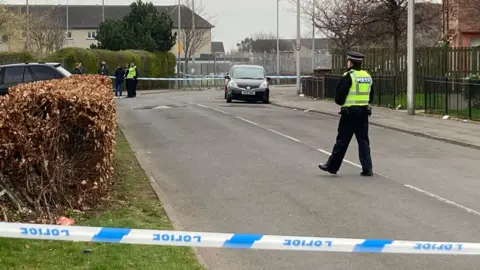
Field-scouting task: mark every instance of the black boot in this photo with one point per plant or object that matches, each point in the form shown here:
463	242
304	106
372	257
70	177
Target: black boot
366	173
324	167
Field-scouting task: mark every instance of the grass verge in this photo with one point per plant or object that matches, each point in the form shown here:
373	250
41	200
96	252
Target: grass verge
135	205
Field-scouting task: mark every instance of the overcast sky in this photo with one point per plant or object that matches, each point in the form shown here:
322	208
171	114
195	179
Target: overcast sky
233	19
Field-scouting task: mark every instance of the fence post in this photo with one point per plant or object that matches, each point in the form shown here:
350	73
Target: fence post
425	93
446	96
469	101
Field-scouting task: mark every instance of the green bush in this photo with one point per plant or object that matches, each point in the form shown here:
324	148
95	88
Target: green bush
15	57
471	90
152	65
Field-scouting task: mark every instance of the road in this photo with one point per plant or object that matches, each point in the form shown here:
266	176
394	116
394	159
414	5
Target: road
252	168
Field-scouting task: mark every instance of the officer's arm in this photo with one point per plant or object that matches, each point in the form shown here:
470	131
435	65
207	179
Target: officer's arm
371	95
342	90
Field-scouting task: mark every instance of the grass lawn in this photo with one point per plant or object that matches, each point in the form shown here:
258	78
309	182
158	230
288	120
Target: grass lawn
135	206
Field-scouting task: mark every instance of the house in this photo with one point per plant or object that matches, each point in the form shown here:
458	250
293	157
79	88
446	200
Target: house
461	23
83	22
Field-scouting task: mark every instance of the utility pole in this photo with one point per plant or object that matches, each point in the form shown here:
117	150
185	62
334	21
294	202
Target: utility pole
103	10
278	42
67	27
313	36
193	27
411	58
179	45
298	46
28	28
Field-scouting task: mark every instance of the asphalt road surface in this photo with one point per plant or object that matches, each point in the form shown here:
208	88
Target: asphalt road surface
252	168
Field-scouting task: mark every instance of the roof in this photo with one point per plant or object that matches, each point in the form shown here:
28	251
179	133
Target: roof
217	46
90	16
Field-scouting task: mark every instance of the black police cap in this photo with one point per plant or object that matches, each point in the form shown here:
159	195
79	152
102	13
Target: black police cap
355	56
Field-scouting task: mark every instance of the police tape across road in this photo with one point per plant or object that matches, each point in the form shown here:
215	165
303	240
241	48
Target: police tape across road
231	240
204	78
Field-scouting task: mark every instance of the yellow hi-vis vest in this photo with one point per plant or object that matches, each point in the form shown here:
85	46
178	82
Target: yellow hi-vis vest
131	73
359	93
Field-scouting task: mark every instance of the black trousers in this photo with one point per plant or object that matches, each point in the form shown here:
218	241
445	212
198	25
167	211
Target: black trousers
131	88
352	121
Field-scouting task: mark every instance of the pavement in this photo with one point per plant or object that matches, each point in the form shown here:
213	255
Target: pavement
252	168
459	131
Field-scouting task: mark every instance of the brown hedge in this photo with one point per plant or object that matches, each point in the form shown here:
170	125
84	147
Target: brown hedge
57	141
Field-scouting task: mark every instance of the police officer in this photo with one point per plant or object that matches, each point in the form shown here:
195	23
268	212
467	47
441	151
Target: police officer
131	80
354	94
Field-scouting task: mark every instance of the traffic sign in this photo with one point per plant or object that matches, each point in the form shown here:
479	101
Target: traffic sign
298	47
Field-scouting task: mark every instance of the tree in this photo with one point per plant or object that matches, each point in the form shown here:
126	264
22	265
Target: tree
110	35
144	28
47	31
192	38
11	25
245	45
345	22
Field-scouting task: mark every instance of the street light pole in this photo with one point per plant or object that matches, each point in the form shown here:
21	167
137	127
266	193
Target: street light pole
103	10
313	36
278	42
67	27
179	43
28	28
298	47
411	58
193	26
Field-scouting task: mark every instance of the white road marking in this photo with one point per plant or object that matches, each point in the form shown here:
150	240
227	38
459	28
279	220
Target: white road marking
248	121
220	111
419	190
284	135
345	160
469	210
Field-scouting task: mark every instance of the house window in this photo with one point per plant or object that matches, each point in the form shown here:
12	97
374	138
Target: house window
4	38
92	35
69	35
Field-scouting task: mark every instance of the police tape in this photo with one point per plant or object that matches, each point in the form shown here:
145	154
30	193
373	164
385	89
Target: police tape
203	78
231	240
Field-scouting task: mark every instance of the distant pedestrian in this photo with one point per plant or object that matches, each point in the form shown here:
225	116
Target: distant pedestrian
131	76
354	93
78	69
119	78
103	69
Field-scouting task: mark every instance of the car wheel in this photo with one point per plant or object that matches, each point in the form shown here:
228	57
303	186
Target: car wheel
229	100
266	101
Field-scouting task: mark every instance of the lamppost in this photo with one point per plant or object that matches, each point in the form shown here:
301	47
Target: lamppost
278	42
411	57
298	46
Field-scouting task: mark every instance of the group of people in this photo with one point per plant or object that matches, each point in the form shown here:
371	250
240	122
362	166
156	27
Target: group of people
129	75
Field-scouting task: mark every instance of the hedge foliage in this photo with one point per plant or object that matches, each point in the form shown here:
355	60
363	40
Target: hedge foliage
152	65
57	142
15	57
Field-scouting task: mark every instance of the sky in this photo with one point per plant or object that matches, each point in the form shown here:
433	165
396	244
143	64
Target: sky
234	20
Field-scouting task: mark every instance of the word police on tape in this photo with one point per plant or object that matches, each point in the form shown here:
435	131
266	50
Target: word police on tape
231	240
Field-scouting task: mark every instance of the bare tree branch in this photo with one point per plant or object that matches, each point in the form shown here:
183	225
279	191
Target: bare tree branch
193	38
48	32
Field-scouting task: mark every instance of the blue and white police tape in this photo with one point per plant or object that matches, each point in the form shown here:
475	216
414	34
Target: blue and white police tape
231	240
204	78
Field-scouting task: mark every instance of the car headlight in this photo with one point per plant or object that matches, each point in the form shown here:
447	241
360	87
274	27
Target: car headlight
264	85
232	84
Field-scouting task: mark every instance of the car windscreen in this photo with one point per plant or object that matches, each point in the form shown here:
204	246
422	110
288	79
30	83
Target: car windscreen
249	73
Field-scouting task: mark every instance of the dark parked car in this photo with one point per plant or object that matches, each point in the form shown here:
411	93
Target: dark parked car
13	74
248	83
